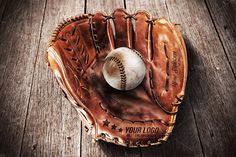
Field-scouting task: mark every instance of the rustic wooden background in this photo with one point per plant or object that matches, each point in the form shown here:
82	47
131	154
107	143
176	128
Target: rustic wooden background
36	120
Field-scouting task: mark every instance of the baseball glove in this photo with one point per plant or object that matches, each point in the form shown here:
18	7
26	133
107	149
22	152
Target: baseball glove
140	117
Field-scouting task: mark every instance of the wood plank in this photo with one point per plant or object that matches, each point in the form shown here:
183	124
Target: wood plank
100	148
223	14
105	6
19	46
3	4
185	128
53	127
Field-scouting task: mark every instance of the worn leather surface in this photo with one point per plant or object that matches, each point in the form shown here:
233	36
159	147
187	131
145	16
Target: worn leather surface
139	117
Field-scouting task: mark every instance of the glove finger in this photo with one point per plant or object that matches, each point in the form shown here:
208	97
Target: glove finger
69	41
168	68
123	29
141	33
73	50
102	33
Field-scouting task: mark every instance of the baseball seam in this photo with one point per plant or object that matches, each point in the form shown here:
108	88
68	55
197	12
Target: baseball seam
122	71
138	54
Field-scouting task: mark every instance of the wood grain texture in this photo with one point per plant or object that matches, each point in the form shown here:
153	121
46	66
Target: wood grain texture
223	14
2	7
103	5
53	127
18	50
185	128
36	120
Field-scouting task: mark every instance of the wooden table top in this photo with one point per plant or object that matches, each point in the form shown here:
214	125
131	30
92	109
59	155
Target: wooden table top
36	120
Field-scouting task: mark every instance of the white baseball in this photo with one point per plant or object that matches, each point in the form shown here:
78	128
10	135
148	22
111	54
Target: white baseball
124	68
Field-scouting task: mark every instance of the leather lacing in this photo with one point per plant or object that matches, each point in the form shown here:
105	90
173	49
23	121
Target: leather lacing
94	35
63	24
152	21
130	16
108	17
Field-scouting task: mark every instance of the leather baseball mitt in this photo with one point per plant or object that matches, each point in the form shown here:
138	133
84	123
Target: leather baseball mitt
140	117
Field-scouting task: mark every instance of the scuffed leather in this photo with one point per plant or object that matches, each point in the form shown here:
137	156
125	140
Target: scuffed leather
140	117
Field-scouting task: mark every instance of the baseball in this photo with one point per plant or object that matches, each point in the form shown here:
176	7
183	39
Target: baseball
124	68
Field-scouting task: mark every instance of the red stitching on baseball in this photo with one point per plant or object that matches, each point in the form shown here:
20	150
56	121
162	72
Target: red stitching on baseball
122	71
